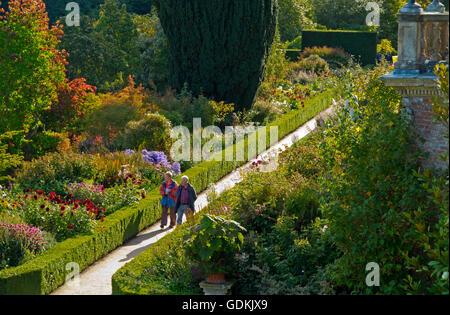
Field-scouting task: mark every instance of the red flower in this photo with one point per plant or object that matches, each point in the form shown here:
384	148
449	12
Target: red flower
42	206
62	214
143	196
39	192
63	208
70	227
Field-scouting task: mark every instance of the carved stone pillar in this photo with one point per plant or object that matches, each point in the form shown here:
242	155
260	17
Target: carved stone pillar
423	43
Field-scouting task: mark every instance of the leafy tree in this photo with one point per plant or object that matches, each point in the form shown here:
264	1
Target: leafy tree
103	51
154	59
70	106
7	160
31	67
295	15
88	53
336	14
219	47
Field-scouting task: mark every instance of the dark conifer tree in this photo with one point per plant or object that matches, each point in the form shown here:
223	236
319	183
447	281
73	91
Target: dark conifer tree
219	47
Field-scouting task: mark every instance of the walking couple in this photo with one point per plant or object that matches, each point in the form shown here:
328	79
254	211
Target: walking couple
176	200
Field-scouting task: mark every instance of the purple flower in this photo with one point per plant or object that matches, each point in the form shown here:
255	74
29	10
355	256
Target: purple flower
154	157
129	152
176	169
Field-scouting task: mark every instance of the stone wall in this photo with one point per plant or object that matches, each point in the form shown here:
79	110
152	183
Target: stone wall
431	133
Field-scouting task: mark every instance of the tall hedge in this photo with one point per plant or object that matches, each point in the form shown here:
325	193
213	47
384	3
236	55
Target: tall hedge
362	45
219	47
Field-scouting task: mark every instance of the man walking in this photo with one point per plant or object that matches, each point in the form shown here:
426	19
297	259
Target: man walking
186	197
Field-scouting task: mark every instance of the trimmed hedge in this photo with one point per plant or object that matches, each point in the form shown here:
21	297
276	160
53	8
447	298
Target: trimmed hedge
294	49
362	45
123	280
46	272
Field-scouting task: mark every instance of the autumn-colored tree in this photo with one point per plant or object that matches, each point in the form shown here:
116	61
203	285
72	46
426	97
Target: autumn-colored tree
70	105
116	110
31	68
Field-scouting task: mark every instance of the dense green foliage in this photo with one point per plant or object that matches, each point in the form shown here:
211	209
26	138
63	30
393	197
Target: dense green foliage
153	131
57	8
315	223
349	194
295	16
213	244
229	37
30	65
104	51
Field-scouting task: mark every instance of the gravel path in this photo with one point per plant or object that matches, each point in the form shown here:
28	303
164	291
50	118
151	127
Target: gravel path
96	279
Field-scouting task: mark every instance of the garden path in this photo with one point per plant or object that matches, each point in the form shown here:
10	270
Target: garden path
96	279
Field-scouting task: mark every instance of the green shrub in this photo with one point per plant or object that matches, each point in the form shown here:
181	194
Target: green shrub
313	63
264	112
361	45
303	158
7	160
373	189
277	64
335	57
303	203
214	243
385	47
285	261
152	132
53	171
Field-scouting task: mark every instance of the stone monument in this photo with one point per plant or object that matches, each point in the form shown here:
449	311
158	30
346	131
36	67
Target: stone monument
423	37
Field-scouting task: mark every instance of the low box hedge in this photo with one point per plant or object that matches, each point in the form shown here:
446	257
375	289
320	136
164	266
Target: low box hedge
123	281
361	44
47	272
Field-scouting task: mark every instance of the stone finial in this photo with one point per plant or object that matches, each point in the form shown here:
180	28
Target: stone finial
436	6
411	8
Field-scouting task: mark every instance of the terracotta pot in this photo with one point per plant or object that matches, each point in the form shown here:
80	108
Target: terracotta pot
218	278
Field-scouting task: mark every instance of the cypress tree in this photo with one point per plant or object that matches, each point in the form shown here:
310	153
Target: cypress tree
219	47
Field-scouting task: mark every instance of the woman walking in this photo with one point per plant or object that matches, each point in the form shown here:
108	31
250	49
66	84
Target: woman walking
168	192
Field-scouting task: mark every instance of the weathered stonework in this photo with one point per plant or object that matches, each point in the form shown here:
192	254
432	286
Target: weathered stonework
432	134
423	43
216	289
